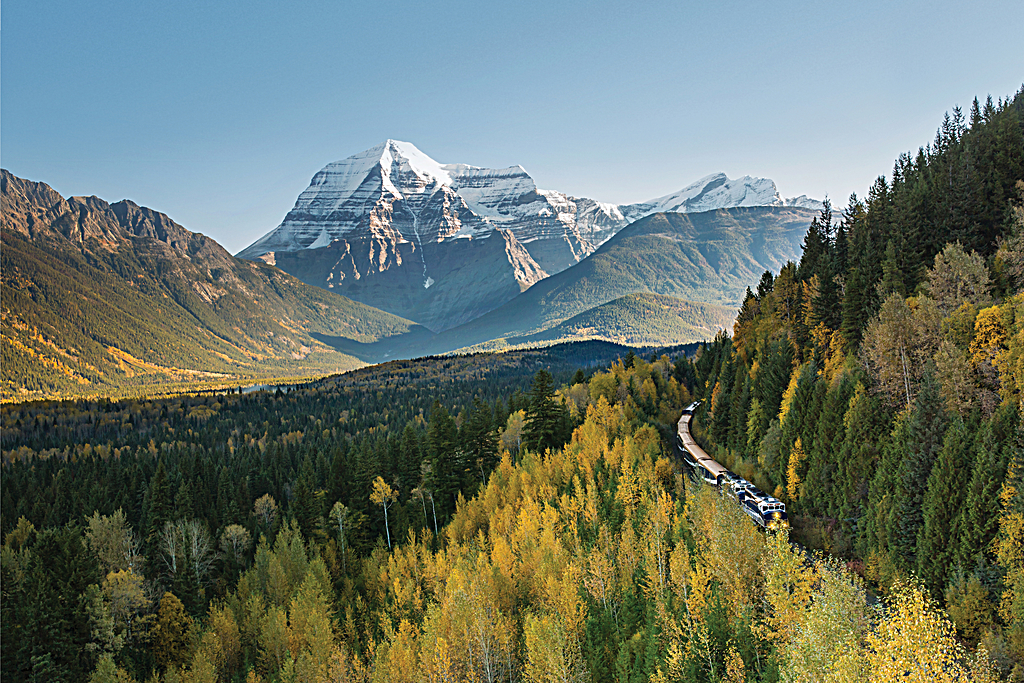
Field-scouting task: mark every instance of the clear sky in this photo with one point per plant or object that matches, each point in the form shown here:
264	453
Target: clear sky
218	113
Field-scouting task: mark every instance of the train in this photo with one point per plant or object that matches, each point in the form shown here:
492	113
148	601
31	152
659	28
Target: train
766	511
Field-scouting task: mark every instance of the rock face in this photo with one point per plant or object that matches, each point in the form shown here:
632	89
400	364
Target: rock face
443	244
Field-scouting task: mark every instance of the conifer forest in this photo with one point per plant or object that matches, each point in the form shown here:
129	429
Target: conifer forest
526	517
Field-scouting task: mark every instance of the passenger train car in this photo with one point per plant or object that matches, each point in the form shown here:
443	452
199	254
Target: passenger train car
768	512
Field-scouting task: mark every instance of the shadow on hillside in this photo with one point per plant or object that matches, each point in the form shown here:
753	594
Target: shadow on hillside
408	345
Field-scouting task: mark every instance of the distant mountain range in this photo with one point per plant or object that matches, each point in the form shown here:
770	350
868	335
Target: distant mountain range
102	298
114	299
703	261
442	244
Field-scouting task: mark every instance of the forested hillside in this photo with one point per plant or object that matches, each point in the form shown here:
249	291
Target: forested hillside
224	469
876	386
520	516
707	257
101	299
591	561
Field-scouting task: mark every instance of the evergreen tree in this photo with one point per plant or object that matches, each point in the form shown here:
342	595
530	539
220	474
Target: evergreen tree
546	419
816	243
979	517
881	531
480	440
411	458
161	509
823	469
307	503
892	273
445	459
924	440
943	500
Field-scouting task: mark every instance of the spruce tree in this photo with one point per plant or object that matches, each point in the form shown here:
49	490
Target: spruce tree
411	458
445	459
307	500
942	502
480	440
925	432
545	418
892	273
979	518
161	508
880	532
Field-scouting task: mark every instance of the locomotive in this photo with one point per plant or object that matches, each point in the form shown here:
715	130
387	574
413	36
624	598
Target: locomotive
766	511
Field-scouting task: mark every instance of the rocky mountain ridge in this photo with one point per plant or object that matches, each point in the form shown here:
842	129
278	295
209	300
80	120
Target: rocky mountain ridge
101	299
393	228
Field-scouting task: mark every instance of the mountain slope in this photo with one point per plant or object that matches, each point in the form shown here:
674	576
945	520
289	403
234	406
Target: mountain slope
641	319
100	298
710	257
444	243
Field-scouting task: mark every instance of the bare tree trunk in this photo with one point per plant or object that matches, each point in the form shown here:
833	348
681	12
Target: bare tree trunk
906	371
434	511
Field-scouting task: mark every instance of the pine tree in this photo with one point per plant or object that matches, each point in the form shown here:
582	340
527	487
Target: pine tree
161	509
942	502
979	518
924	440
546	419
445	459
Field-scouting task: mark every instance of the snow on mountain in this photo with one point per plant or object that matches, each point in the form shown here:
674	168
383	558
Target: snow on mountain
393	209
393	184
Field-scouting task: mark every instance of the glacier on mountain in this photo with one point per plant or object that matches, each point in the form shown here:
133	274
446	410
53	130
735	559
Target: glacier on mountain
391	221
395	185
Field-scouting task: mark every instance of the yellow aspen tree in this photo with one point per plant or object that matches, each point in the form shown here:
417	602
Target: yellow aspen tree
274	641
310	630
552	656
787	590
728	545
1009	552
225	627
202	670
385	496
828	645
735	670
437	657
697	607
169	636
128	601
397	662
658	524
796	457
915	642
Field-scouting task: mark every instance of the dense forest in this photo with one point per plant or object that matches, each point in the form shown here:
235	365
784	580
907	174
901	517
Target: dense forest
521	517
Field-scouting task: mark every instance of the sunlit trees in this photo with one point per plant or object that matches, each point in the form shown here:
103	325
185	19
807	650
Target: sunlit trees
546	419
914	641
112	539
385	496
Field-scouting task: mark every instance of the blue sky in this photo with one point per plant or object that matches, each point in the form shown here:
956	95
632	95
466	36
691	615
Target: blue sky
218	114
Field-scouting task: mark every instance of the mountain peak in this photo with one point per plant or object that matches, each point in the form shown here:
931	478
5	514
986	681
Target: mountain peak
718	191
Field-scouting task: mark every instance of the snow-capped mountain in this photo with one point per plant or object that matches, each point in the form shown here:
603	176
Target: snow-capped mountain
393	228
